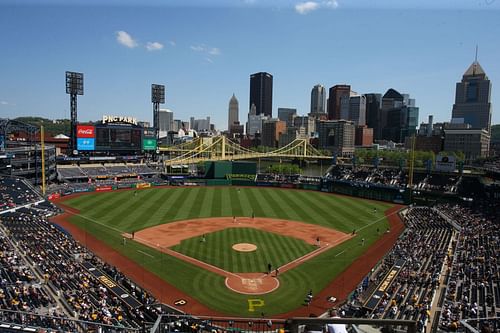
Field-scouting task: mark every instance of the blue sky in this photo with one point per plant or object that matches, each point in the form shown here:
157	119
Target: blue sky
204	51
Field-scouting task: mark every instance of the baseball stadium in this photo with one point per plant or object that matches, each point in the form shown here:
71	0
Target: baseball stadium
124	233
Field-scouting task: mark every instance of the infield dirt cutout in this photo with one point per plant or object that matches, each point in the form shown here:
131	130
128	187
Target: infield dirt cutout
164	236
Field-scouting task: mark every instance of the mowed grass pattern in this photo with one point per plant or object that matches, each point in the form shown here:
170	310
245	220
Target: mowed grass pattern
271	248
125	212
106	215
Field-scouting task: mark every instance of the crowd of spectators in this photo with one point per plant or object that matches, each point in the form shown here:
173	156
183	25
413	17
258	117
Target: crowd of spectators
14	192
43	282
394	178
363	175
492	165
449	247
58	258
423	248
105	170
287	179
473	289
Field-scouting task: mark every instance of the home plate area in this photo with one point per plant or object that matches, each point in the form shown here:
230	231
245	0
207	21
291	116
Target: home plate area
252	283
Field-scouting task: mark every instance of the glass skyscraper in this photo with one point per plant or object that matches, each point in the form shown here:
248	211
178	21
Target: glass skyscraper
473	98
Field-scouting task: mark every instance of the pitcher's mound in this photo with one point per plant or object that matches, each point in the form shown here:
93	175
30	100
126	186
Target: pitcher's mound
244	247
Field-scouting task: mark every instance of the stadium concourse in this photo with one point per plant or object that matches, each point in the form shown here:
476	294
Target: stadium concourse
443	272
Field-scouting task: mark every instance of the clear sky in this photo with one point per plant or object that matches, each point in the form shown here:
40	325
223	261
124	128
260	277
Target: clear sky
204	51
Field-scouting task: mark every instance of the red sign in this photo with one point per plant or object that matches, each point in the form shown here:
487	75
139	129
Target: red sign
54	196
103	188
85	131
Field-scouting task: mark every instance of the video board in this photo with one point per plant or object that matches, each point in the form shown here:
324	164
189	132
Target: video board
119	138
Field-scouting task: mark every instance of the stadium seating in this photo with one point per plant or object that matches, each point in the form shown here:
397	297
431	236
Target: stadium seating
44	271
57	262
14	192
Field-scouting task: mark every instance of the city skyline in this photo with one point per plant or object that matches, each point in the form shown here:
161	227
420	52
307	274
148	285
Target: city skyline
122	50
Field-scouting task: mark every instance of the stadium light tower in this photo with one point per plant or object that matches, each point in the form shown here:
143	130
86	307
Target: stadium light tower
157	98
74	87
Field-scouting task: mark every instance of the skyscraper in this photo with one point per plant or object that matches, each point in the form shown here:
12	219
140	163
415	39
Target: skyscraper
399	116
271	131
473	98
357	110
318	100
335	94
261	93
233	116
373	109
166	121
287	115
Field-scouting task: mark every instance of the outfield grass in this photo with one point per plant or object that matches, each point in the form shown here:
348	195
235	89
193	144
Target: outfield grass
271	248
106	215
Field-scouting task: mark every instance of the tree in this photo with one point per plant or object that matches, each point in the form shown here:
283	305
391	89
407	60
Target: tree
284	169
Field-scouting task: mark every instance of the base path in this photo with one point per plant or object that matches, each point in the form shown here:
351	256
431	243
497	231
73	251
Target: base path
163	236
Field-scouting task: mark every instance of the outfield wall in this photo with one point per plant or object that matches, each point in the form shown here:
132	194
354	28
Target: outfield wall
366	191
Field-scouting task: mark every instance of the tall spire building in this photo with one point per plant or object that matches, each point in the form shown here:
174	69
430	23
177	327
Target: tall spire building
233	116
473	98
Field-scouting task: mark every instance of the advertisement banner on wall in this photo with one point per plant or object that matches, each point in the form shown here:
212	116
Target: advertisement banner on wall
103	189
143	185
446	163
85	144
149	144
84	131
54	196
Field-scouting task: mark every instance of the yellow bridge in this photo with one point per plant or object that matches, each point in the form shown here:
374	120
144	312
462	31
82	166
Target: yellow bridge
220	148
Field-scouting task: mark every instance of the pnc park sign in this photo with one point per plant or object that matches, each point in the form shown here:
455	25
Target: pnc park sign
119	119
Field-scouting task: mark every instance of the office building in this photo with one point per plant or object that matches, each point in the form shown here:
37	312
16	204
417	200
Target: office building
233	114
261	93
432	143
363	136
318	101
287	115
271	131
373	110
399	116
166	120
306	122
254	122
236	130
200	125
474	143
473	98
338	136
144	124
357	110
335	94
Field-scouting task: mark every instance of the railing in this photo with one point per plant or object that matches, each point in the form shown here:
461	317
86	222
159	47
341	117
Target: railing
183	323
31	322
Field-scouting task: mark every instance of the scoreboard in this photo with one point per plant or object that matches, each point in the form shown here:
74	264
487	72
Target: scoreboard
120	138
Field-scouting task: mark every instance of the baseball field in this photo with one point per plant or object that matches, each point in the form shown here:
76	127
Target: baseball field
220	246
